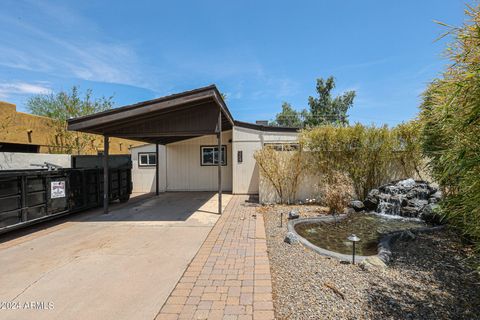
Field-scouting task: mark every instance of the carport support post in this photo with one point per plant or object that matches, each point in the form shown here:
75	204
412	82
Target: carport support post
105	173
156	169
219	138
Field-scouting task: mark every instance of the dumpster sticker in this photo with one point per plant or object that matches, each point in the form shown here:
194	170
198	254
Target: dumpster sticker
57	189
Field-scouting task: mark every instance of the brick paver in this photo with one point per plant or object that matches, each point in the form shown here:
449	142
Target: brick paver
229	278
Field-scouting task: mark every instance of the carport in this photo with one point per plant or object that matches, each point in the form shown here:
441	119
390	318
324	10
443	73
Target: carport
161	121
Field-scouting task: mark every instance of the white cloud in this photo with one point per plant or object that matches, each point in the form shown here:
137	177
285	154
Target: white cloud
8	89
39	47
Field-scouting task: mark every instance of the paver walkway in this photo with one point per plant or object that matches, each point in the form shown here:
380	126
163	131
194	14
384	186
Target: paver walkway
229	278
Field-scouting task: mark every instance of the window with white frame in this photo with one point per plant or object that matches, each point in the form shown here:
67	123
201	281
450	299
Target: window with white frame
283	146
147	159
209	155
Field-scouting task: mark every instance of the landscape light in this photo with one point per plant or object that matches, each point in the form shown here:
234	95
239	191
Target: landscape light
354	239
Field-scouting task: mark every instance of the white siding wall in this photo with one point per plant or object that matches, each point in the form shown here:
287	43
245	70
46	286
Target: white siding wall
180	168
246	174
144	177
184	172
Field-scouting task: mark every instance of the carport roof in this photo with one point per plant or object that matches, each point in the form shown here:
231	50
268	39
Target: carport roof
167	119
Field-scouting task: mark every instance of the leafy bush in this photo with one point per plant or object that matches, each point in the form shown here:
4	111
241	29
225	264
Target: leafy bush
370	156
60	107
450	115
337	192
282	169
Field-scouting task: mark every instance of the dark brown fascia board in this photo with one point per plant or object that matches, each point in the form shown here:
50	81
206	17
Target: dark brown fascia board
141	104
223	105
126	112
161	135
111	126
150	106
264	128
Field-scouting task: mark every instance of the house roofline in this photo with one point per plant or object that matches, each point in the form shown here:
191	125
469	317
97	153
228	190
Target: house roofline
216	96
261	127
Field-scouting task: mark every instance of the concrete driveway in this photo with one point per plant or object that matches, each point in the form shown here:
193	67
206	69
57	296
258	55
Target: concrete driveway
93	266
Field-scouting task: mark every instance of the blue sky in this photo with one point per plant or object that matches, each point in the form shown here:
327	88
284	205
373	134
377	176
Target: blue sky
260	53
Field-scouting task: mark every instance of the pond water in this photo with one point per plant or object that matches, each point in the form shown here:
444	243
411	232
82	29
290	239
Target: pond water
368	227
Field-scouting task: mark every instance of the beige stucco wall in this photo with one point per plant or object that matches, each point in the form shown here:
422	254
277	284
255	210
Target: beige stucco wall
246	174
15	127
308	189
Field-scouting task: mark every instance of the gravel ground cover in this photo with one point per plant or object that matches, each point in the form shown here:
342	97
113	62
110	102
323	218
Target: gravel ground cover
429	278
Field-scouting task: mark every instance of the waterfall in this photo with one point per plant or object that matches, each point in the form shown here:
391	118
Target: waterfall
406	198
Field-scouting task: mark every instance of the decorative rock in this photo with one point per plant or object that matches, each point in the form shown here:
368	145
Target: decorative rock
417	205
371	203
437	195
293	215
430	215
373	193
357	205
409	211
349	211
407	183
291	238
421	192
433	189
407	236
371	263
405	198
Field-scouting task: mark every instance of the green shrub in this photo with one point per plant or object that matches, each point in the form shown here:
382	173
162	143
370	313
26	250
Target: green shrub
282	169
369	155
450	115
337	192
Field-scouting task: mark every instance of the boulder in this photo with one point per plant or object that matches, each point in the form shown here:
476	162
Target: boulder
406	198
293	215
371	203
373	193
437	195
372	263
430	214
411	194
407	236
291	238
407	183
432	189
421	192
357	205
349	210
409	211
417	203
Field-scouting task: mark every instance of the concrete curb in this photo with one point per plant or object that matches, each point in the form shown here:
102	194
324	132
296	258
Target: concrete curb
384	245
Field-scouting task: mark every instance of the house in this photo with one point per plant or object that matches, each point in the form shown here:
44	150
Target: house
190	165
184	132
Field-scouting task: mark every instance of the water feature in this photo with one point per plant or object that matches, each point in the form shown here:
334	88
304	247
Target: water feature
368	226
397	206
406	198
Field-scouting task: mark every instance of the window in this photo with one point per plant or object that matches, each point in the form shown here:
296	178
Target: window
283	146
239	156
209	155
147	159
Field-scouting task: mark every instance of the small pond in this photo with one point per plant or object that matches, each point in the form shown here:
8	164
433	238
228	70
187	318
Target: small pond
368	227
